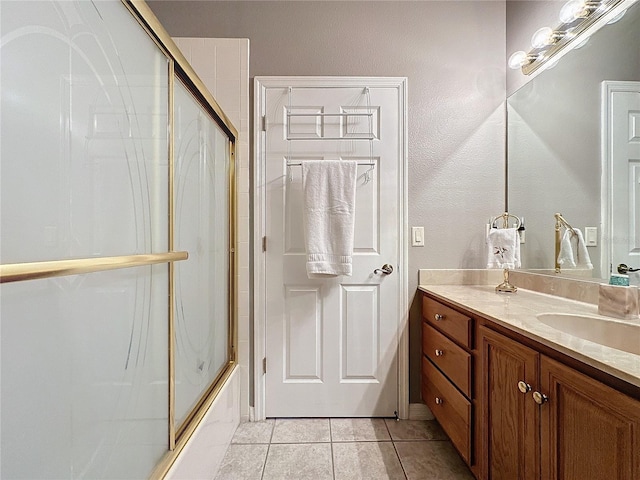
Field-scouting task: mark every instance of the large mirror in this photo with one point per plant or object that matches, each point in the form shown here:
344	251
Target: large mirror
573	146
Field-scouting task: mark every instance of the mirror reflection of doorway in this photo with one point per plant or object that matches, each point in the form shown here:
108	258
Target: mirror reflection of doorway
621	172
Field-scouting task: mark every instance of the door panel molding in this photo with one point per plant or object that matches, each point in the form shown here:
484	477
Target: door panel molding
609	90
261	85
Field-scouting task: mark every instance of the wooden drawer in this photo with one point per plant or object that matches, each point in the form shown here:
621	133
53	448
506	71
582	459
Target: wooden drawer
452	410
454	361
454	324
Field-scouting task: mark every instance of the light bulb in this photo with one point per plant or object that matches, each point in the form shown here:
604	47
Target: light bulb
545	36
542	37
571	10
518	59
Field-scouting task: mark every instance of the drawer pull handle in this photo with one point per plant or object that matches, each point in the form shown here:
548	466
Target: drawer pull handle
439	353
524	387
439	317
439	401
540	398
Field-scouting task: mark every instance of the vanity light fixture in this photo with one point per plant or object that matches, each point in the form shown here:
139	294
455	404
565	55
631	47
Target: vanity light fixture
519	59
576	16
575	9
546	36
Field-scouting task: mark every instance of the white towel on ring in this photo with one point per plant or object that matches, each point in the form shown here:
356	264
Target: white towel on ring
329	196
573	250
503	248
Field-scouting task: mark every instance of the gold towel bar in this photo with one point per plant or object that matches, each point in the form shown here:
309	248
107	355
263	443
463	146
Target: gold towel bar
17	272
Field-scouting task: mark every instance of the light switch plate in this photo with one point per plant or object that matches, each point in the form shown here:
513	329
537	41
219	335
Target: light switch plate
417	236
591	236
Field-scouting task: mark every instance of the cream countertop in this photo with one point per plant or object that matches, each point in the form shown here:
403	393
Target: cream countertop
518	313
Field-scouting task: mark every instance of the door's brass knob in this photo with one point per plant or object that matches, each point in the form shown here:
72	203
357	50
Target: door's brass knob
524	387
439	401
540	398
438	317
439	353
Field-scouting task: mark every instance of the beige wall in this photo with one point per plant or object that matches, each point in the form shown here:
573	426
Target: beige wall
453	54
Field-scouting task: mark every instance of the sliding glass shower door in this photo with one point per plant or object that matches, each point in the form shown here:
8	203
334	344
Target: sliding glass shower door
107	347
201	282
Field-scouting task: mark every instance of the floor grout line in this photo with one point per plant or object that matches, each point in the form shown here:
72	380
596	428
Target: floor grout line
333	463
400	461
393	442
264	464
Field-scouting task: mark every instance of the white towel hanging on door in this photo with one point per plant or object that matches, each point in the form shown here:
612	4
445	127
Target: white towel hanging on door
329	196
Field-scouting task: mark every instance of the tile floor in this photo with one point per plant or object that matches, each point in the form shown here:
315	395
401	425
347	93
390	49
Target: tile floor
341	449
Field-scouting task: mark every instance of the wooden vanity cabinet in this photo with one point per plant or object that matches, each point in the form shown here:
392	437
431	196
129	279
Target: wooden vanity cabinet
519	410
510	418
447	371
588	430
543	419
452	323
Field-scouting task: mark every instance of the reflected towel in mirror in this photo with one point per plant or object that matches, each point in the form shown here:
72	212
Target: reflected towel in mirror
503	248
573	250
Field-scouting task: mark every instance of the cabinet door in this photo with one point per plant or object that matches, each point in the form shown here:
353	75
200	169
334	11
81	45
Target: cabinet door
510	418
588	429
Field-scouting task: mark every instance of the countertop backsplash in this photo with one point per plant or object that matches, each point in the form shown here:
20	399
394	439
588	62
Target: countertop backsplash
572	288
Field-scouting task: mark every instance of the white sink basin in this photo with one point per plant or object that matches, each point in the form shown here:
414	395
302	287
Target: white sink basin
611	333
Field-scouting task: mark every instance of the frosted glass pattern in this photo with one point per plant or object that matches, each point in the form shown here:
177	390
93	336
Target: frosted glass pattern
201	155
84	132
84	155
84	375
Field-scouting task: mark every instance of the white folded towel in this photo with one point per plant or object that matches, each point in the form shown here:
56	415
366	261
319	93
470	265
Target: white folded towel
503	248
329	193
573	250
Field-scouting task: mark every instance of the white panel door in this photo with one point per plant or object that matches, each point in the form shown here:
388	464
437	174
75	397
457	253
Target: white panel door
332	343
624	150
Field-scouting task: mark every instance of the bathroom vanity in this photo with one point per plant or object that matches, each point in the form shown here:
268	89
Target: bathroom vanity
523	400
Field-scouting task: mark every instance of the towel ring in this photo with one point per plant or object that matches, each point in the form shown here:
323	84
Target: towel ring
506	286
505	220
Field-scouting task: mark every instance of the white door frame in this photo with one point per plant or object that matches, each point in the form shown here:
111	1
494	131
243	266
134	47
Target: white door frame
606	205
259	227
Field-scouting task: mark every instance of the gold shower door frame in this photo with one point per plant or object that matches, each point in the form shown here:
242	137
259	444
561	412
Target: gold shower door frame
179	68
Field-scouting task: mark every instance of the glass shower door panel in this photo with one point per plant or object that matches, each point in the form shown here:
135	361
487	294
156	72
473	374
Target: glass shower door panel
84	375
84	133
202	229
220	244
